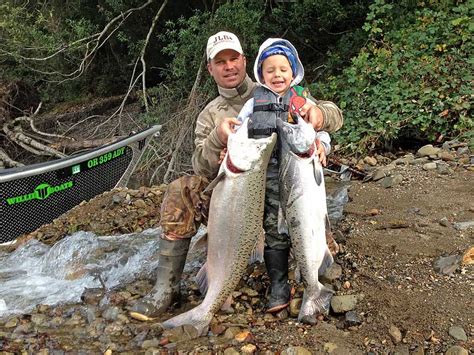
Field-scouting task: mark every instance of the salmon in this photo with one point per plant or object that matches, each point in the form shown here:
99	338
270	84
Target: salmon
234	225
304	213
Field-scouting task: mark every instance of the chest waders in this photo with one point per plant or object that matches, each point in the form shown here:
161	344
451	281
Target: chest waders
268	108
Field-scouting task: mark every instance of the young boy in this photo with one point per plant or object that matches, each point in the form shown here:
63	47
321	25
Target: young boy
278	70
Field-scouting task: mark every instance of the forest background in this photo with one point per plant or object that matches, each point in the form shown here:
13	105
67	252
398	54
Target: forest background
400	70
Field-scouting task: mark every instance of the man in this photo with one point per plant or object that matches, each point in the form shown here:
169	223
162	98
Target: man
184	206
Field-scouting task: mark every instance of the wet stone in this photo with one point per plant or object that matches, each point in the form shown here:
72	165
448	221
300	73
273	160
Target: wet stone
457	333
231	332
151	343
446	265
283	314
395	334
11	323
444	169
429	166
344	303
370	160
92	296
391	181
457	350
295	305
351	319
111	313
181	333
332	273
248	349
427	150
231	351
463	225
38	319
444	222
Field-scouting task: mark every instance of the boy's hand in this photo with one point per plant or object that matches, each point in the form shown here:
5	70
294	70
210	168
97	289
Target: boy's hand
226	127
222	155
312	114
321	152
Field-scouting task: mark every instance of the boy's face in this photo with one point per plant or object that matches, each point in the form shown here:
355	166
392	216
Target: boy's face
228	68
277	73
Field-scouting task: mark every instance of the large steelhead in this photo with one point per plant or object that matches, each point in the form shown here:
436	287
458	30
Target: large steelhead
234	225
303	207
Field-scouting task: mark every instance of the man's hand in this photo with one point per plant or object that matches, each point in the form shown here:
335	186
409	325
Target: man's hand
226	128
222	155
320	151
312	114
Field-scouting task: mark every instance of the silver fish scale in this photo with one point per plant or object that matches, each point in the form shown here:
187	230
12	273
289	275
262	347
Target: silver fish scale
303	204
234	226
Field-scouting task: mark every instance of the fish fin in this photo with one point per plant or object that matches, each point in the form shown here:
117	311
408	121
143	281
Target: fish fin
327	223
297	274
318	174
227	306
198	243
282	225
327	261
201	279
257	253
214	182
314	306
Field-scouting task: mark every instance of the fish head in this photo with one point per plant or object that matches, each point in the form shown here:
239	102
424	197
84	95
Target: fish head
246	154
297	138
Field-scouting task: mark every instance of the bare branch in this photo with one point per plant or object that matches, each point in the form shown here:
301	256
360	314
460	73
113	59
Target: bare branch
143	51
7	161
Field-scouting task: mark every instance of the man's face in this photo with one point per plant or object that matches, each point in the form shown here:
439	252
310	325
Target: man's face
228	68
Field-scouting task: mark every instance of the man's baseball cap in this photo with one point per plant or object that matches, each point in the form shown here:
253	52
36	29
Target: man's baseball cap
220	41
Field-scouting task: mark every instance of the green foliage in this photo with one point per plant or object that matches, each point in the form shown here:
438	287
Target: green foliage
314	26
413	78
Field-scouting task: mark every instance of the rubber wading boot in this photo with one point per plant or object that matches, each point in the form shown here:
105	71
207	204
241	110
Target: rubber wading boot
168	275
276	262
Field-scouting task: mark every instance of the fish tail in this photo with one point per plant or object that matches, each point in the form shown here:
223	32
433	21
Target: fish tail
201	279
197	317
314	304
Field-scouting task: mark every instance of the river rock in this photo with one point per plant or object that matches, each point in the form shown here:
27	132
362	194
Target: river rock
457	350
447	264
231	332
181	333
150	343
111	313
351	319
445	155
429	166
468	257
248	349
457	333
392	180
370	160
295	305
427	150
344	303
332	273
296	350
395	334
460	226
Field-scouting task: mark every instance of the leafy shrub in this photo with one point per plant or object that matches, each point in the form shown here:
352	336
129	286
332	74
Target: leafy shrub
413	79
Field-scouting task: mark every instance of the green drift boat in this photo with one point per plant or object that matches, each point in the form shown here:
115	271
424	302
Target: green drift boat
33	195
